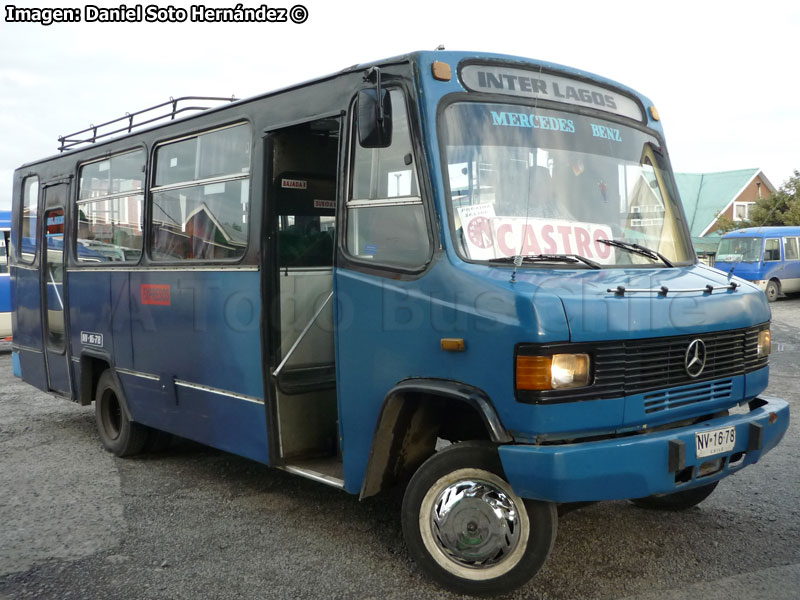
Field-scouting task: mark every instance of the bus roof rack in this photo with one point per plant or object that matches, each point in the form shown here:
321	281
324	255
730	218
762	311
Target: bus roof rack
97	132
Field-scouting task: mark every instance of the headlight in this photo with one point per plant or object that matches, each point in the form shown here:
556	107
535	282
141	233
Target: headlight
764	343
556	372
569	370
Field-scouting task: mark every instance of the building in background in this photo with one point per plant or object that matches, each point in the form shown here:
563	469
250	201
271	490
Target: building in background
708	196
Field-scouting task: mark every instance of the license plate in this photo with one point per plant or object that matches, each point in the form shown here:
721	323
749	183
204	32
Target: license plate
716	441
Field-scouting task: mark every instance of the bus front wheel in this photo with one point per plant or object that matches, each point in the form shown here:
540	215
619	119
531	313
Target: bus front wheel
119	434
467	529
773	290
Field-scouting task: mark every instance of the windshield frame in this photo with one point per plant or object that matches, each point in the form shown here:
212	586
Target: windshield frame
664	168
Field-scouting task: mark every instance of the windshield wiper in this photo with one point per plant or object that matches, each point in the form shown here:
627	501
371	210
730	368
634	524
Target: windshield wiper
565	258
638	249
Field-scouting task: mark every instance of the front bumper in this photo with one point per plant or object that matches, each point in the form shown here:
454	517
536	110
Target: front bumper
641	465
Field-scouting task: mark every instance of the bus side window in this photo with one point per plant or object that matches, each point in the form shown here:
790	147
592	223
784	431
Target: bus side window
201	196
791	249
26	250
772	249
110	201
385	216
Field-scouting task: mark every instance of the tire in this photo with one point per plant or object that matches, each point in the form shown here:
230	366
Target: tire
119	434
773	290
677	500
157	441
489	540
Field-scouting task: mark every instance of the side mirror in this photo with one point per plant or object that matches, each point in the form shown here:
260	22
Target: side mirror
374	111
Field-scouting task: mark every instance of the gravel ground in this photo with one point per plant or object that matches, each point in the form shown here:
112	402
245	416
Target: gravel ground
192	522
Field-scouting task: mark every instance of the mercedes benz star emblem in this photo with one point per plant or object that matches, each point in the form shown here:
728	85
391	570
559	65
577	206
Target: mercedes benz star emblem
695	358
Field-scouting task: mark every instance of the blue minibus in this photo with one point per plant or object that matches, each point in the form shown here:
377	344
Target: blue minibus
767	256
466	274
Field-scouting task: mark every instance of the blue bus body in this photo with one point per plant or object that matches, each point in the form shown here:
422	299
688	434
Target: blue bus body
201	349
773	263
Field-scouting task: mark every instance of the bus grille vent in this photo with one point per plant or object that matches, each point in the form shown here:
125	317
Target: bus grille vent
676	398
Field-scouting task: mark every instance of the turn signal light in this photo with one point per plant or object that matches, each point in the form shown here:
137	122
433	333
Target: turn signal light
533	372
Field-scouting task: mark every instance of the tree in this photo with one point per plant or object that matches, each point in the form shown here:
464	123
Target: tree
790	191
780	208
768	210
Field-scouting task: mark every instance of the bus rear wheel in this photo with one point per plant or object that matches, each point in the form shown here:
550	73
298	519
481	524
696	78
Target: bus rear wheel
467	529
119	434
773	290
677	500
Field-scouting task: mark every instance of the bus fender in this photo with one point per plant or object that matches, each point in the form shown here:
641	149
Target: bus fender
92	365
409	424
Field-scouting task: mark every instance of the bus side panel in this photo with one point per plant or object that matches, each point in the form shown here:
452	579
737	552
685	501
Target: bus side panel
196	335
791	276
27	323
388	331
90	310
121	318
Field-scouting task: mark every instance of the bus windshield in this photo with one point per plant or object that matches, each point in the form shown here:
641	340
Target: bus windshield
739	250
527	181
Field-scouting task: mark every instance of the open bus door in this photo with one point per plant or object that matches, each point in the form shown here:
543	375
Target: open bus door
302	207
52	269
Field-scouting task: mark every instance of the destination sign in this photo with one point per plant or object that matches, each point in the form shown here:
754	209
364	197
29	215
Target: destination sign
526	83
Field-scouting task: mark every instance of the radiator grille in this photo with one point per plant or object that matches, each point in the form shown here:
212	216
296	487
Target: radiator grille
628	367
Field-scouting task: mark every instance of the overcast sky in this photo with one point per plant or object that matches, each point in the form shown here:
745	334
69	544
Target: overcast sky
722	74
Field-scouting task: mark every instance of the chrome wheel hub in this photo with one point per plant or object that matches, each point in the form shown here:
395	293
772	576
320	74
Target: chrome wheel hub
475	523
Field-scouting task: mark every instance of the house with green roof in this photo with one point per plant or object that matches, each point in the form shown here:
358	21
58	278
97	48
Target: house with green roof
708	196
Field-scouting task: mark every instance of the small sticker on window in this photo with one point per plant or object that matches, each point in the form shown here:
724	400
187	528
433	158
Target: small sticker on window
173	162
295	184
371	249
324	204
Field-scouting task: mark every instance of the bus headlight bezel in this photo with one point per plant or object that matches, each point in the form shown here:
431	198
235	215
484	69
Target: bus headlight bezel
559	371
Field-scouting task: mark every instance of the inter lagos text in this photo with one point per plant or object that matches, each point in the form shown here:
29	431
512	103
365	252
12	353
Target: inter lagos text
153	13
505	81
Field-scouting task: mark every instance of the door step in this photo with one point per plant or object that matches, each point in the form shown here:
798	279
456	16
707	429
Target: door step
327	470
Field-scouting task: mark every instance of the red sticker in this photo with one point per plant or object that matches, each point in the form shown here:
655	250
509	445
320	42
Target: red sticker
155	294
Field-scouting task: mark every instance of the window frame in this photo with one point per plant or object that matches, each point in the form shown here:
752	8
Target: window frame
747	206
372	266
54	344
780	249
152	188
796	241
76	262
18	250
